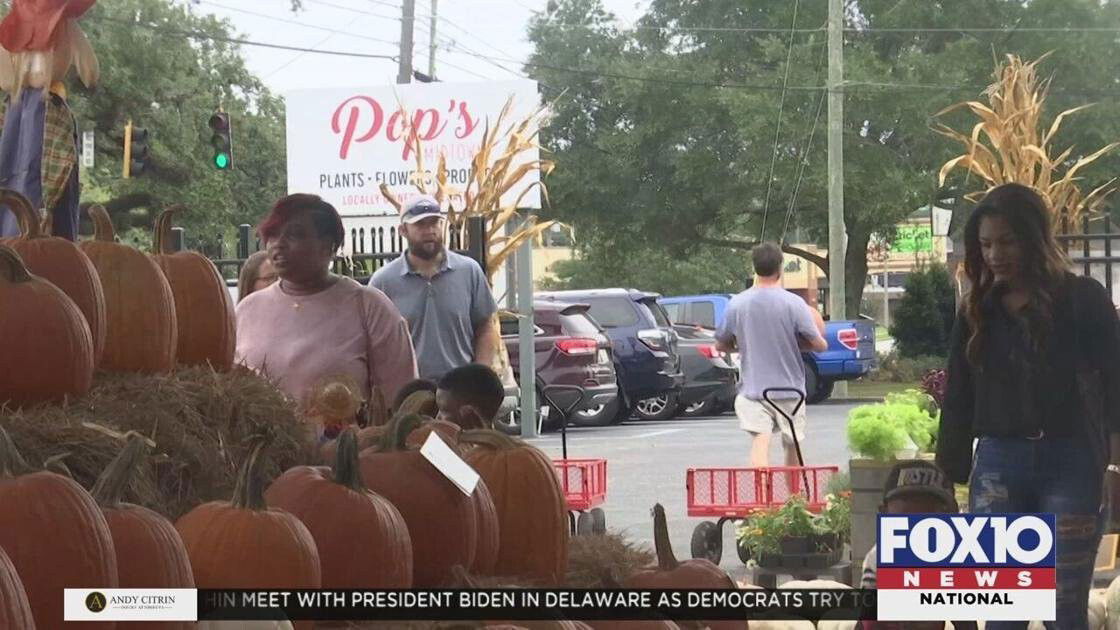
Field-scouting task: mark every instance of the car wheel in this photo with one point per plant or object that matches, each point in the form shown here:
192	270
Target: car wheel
824	390
511	424
597	416
703	407
661	407
812	384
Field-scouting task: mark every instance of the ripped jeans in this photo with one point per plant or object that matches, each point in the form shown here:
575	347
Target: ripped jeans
1050	474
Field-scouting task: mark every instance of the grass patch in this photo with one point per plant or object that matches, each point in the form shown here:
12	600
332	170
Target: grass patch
882	333
877	389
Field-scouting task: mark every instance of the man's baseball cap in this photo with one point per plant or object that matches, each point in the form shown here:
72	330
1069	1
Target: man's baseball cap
419	209
919	476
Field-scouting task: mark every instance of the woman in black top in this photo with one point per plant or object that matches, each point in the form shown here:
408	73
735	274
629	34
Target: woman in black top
1034	374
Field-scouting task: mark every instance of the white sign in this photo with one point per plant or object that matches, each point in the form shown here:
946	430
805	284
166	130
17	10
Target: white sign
130	604
343	143
440	455
87	149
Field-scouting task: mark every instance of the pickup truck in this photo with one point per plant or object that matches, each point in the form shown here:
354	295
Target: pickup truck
851	344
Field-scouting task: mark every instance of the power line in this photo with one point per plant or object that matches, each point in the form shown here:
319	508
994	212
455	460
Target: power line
296	57
235	40
340	7
778	126
1005	29
804	161
316	27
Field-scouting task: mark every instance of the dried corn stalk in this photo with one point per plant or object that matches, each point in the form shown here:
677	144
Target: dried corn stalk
495	171
1009	144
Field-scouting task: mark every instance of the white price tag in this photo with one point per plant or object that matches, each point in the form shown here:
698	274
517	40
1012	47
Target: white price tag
440	455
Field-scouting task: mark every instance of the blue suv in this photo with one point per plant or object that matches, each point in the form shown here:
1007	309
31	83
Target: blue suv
643	342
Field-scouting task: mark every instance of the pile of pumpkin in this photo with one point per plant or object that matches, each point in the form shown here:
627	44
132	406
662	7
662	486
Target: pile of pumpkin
68	308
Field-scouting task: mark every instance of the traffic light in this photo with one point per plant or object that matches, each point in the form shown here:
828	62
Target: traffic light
221	140
135	151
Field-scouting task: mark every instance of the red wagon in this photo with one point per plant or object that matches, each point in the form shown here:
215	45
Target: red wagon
733	493
584	482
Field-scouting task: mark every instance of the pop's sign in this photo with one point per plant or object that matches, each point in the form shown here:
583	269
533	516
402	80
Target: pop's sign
939	567
343	143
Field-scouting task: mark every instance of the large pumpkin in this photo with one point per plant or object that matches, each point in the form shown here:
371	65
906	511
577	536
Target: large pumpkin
672	574
15	611
55	535
140	330
150	553
244	544
532	514
362	539
203	307
489	530
45	341
60	262
442	522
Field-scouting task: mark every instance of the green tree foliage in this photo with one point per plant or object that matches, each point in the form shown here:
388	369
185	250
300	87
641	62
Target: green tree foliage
924	318
170	84
664	132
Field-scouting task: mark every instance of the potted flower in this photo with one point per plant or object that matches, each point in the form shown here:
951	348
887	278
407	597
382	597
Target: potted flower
797	525
759	538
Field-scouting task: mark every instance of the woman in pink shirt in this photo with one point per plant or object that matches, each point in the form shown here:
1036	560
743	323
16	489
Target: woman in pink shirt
313	325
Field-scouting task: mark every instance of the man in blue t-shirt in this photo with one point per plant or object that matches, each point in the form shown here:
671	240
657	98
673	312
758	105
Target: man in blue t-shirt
769	327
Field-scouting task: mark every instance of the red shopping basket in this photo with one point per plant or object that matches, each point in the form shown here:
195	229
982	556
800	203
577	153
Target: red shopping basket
584	482
736	492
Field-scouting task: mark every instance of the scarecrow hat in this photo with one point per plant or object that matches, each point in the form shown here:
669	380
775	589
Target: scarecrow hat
32	25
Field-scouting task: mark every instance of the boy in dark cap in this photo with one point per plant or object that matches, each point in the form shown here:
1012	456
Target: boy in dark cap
913	487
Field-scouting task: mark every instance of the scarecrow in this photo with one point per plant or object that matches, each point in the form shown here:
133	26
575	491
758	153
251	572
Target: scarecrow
40	40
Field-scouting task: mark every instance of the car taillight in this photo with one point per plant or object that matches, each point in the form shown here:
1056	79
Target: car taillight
708	351
849	338
654	339
578	347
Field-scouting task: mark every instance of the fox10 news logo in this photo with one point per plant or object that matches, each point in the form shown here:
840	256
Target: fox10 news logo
982	567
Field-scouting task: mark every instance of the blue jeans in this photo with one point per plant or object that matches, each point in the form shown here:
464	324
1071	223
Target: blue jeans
1056	475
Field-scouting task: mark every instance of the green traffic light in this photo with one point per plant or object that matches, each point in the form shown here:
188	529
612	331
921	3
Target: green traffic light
221	160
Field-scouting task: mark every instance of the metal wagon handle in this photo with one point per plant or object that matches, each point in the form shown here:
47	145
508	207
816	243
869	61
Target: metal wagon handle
789	419
546	390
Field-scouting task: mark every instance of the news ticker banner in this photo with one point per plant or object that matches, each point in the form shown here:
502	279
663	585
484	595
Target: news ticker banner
466	605
983	567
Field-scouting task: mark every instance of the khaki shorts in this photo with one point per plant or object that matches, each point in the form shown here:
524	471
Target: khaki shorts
758	416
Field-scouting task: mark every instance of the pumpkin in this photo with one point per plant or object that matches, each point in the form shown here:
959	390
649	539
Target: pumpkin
532	514
242	543
55	536
461	579
1097	617
447	431
203	307
489	531
15	612
245	625
361	538
47	346
60	262
669	573
442	521
138	301
150	553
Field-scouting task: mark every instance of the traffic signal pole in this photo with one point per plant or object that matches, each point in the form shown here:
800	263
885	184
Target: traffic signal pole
837	239
408	18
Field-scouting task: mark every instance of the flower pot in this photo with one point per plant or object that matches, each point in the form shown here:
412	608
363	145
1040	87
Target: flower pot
818	561
769	560
822	543
795	545
868	477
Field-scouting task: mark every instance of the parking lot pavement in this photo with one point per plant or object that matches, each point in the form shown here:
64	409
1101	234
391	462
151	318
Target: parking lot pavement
646	464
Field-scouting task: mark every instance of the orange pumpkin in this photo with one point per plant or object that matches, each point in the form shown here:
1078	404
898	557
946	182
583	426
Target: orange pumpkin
140	331
362	539
203	307
55	535
671	574
243	544
150	553
442	521
528	498
15	612
60	262
489	531
47	347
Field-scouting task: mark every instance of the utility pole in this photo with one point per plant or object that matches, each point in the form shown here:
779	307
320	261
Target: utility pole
432	42
836	237
408	18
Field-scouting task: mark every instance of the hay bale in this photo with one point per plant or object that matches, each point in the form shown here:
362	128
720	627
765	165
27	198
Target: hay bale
199	421
604	560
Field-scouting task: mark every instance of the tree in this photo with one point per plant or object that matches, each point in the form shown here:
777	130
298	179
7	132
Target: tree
665	133
924	317
170	84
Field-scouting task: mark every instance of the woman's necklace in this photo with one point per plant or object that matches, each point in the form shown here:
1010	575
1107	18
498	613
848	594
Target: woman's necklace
296	297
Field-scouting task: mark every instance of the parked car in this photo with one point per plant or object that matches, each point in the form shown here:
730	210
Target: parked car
572	351
851	343
711	379
643	342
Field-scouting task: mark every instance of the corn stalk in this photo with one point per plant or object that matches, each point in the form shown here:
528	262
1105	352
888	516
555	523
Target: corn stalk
495	171
1010	143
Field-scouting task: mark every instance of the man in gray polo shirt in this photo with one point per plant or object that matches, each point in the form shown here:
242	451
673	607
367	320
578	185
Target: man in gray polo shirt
444	296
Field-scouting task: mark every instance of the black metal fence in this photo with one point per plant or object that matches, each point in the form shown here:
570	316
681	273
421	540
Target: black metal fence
370	249
1094	248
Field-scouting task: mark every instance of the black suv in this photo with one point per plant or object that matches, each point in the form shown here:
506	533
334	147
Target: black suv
643	342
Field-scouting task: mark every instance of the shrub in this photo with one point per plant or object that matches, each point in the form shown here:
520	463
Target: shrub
894	368
933	384
924	317
878	431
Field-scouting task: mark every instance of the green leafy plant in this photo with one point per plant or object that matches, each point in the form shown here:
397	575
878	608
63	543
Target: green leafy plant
874	434
836	517
795	516
761	533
